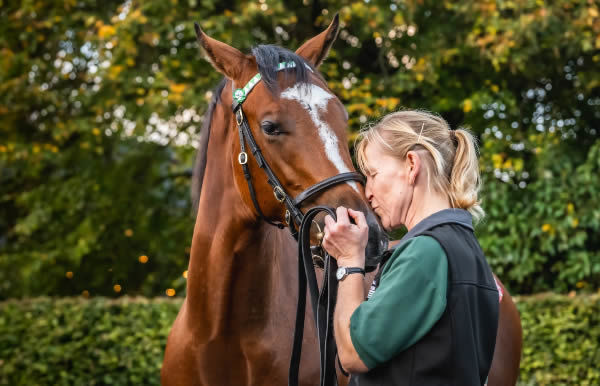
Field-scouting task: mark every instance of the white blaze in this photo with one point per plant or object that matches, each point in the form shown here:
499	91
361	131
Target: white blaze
314	99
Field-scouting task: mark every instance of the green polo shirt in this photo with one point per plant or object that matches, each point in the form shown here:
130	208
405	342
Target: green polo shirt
410	299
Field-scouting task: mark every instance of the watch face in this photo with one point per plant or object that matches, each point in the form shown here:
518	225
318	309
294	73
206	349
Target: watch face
340	273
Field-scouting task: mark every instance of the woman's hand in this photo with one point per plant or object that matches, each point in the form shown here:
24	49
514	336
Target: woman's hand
346	241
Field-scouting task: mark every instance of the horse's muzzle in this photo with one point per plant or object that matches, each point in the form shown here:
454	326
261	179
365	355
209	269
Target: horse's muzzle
378	242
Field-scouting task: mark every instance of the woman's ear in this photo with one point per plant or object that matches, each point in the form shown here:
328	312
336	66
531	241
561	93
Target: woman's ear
413	164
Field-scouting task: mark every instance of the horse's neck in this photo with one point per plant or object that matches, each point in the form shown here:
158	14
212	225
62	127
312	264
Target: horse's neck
236	277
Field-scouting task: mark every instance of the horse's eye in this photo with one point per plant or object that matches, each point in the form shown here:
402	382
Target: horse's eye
270	128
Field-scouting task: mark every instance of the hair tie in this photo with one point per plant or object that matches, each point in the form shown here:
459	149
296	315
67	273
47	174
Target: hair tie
453	137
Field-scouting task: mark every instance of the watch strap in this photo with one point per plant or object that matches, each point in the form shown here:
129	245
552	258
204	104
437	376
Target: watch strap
350	270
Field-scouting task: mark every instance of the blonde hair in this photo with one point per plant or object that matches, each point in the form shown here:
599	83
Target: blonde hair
450	156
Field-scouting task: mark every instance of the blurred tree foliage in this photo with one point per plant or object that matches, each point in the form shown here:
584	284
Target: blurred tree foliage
101	102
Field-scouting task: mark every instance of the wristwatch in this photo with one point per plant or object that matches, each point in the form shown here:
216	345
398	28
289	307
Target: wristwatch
342	272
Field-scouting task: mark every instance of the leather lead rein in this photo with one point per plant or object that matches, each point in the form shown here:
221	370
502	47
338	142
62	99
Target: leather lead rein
323	304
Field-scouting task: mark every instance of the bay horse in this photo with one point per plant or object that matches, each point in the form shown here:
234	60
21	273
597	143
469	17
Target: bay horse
236	323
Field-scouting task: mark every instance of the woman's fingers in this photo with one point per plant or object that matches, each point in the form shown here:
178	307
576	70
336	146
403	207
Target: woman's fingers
329	223
346	240
359	217
343	224
342	215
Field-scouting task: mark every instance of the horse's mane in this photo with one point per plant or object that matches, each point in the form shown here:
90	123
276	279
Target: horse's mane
200	161
267	58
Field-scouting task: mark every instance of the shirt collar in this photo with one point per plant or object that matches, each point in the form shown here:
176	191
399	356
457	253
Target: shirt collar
445	216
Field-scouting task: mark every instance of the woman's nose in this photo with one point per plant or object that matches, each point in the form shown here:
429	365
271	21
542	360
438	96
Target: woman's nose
368	191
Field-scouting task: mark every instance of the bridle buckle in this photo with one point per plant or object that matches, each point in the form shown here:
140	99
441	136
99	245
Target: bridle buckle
239	117
279	194
243	158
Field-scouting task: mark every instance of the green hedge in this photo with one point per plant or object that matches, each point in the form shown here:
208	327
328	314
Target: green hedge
561	340
99	341
72	341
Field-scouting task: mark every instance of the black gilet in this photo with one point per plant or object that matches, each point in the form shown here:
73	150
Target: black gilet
458	349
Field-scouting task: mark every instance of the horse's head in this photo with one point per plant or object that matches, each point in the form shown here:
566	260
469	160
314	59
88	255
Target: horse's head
298	124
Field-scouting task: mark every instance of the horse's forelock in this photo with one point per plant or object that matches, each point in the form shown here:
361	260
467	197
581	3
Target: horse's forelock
268	58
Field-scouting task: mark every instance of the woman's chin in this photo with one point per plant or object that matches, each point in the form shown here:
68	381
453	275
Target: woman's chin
386	225
389	227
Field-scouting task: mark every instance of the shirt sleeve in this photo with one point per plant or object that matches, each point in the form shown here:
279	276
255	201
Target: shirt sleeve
410	299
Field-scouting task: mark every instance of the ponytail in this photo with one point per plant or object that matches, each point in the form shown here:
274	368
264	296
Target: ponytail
465	180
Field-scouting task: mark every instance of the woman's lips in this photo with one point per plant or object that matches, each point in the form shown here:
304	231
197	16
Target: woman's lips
375	210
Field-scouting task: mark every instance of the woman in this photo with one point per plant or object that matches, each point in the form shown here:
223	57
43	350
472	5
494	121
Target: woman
432	312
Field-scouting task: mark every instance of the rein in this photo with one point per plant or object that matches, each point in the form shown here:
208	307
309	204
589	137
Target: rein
323	303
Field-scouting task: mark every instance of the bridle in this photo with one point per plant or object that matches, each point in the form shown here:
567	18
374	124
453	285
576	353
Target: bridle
322	302
293	214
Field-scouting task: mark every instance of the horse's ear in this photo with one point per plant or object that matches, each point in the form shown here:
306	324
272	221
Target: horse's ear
224	58
316	49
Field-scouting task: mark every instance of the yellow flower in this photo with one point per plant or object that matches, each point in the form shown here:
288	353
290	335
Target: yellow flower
185	274
143	259
546	228
518	164
114	71
170	292
69	275
106	31
177	88
574	223
570	208
497	160
117	288
96	131
128	232
467	105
